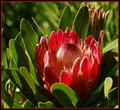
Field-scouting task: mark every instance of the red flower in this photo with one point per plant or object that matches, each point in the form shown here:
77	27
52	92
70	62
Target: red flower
69	60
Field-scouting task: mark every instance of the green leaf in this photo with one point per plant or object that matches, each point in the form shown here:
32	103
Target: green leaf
106	66
65	95
19	56
30	38
15	105
109	18
95	97
66	19
12	64
5	95
114	70
107	86
13	95
8	53
22	84
80	24
28	78
110	46
4	60
21	59
19	39
42	33
30	81
113	98
101	47
27	104
116	106
5	105
115	49
48	104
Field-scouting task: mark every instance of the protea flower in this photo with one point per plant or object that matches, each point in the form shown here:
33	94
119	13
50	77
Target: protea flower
97	20
71	61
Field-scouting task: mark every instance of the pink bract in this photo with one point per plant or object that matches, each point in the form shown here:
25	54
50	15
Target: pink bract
71	61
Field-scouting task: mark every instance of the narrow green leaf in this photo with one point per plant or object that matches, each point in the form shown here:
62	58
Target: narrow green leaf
19	81
13	94
48	104
66	96
110	46
8	53
38	27
113	98
27	104
107	86
12	64
116	106
4	60
28	78
114	70
106	66
5	95
109	18
101	47
80	24
66	19
21	59
15	105
19	56
95	97
30	38
19	39
112	90
25	73
115	49
4	104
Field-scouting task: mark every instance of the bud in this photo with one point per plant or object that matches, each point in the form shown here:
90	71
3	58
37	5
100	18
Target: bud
97	20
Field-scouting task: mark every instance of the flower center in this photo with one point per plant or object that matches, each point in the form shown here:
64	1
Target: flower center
67	54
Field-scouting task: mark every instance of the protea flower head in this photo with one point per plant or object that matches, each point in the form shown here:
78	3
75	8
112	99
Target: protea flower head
71	61
97	20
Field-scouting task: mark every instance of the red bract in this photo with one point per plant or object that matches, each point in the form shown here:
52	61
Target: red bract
71	61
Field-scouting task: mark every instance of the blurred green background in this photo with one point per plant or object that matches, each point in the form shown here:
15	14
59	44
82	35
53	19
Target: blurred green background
47	16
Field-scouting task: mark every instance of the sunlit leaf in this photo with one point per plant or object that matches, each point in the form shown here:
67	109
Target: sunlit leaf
80	24
109	18
107	85
48	104
28	78
66	96
21	59
38	27
113	98
19	39
15	105
27	104
30	38
19	56
22	84
8	53
5	95
116	106
66	19
110	46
